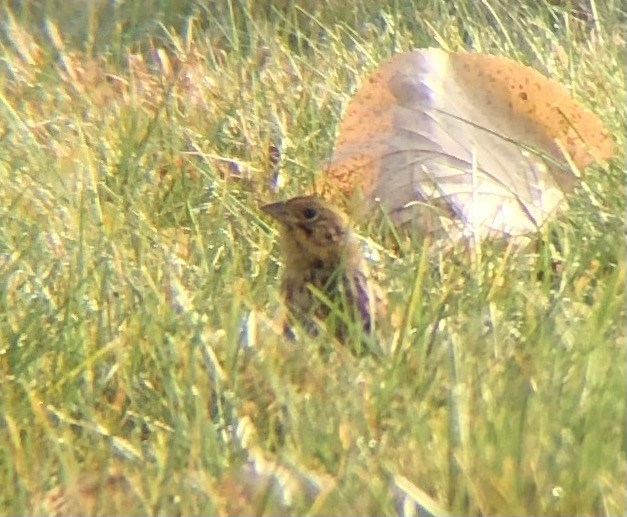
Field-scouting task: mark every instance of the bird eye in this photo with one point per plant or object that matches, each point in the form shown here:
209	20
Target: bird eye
310	213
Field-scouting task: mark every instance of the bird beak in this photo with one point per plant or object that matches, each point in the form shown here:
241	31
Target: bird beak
275	210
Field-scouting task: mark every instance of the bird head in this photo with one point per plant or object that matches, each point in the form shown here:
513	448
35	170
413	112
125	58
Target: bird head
310	227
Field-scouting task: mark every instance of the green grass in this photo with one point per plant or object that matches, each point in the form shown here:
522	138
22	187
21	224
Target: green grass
130	257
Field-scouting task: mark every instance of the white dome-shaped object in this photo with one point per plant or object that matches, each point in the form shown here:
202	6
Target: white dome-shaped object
471	144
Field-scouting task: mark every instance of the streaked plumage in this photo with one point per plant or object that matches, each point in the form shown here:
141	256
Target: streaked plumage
321	252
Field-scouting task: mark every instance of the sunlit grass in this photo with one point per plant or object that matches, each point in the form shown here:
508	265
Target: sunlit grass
139	291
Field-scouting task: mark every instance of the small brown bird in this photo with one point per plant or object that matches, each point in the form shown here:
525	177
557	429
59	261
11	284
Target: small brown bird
324	267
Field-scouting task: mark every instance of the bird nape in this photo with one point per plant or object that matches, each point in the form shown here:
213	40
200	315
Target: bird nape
326	279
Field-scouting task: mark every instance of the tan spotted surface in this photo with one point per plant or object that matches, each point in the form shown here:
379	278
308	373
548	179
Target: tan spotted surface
543	107
468	144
